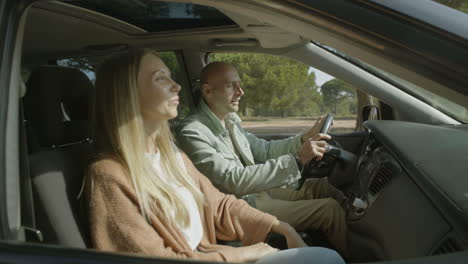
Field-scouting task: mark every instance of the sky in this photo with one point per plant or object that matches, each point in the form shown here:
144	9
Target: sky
320	77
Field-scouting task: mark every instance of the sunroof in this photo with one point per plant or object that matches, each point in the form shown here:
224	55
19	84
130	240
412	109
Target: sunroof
157	16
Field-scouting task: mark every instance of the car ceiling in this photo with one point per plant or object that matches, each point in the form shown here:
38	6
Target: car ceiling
55	30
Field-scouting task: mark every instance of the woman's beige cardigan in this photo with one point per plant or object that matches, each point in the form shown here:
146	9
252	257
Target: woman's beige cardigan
116	223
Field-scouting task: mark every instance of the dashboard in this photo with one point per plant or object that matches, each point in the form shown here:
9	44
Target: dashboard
416	185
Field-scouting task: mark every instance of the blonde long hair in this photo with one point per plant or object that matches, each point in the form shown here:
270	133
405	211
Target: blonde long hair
119	128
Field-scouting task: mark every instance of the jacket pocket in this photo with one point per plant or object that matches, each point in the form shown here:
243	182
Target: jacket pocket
228	156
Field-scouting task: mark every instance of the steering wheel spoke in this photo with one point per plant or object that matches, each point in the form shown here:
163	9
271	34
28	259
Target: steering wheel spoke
327	123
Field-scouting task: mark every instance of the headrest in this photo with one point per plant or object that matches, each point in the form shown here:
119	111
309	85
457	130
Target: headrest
57	105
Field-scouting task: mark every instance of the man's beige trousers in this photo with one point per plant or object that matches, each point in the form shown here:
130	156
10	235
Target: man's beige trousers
315	206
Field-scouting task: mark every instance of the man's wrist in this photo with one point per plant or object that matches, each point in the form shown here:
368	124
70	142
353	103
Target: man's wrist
298	162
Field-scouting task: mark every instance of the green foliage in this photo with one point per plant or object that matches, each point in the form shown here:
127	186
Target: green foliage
273	85
461	5
278	86
339	97
170	59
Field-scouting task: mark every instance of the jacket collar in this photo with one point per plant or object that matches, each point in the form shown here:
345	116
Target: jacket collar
212	120
239	141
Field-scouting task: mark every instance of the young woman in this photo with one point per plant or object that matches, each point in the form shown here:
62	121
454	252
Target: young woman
145	196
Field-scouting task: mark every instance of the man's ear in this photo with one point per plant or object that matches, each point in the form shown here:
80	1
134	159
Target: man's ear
206	90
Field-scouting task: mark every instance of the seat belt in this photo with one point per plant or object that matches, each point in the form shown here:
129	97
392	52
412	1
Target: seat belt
28	222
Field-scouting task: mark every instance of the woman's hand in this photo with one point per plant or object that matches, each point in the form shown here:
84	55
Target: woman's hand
293	239
257	251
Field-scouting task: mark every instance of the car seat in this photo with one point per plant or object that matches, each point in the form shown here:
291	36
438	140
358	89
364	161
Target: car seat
57	114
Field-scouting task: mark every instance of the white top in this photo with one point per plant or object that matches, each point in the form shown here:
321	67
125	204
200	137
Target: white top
194	232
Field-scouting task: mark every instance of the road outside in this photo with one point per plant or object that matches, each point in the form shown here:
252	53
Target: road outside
292	126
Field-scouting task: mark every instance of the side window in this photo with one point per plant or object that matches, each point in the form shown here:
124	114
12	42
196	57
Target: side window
171	61
89	66
283	96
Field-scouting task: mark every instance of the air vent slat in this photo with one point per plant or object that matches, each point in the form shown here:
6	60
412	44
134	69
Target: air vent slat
446	247
451	247
382	178
442	251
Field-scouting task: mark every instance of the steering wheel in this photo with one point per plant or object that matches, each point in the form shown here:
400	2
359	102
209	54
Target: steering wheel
318	169
337	163
327	123
333	146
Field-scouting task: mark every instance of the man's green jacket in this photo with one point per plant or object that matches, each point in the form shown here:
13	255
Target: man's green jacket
254	165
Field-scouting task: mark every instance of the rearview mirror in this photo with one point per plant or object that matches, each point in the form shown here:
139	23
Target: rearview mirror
370	112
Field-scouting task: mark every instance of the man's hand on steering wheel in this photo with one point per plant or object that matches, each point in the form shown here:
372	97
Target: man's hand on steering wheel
313	148
319	127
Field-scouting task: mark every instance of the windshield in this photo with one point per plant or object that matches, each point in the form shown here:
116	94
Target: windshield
441	103
461	5
444	105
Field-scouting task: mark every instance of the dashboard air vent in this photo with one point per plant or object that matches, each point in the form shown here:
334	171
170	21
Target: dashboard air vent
446	247
381	179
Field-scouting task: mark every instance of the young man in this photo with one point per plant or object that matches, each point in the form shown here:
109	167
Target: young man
239	163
